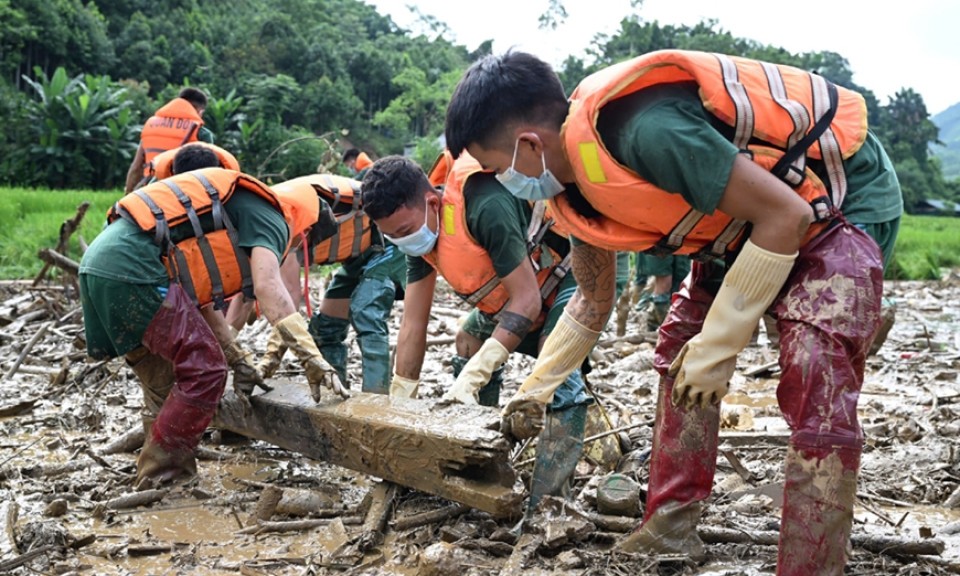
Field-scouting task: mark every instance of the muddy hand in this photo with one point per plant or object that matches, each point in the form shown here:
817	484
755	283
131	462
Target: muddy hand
522	418
246	379
321	375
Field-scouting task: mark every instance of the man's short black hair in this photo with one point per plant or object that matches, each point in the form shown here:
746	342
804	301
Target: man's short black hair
194	157
194	96
350	154
392	182
497	91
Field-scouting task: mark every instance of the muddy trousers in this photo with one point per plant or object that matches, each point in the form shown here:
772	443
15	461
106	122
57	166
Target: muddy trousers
370	306
826	315
489	394
177	340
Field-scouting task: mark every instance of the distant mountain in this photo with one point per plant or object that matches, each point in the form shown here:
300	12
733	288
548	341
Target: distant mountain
948	122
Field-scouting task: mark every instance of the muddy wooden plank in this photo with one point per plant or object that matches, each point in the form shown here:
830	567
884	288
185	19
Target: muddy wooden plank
451	451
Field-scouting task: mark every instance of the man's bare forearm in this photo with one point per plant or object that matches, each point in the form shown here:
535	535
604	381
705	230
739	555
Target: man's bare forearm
595	270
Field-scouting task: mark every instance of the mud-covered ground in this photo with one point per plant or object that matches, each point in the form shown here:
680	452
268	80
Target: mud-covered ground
65	509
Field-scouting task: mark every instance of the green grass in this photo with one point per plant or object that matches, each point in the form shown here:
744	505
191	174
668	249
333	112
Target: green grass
30	220
926	245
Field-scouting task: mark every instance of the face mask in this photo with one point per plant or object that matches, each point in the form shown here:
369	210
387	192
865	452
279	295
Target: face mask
420	242
528	187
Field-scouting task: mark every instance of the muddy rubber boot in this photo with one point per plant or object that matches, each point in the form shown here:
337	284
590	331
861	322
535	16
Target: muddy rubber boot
672	529
559	448
330	334
658	311
179	334
158	466
682	465
489	395
888	316
155	375
817	516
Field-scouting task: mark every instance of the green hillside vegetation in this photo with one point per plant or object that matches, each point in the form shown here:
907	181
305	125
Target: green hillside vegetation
294	81
948	122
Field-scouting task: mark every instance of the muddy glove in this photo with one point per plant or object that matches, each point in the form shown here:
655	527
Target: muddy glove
476	373
563	352
270	361
319	374
246	378
703	368
401	387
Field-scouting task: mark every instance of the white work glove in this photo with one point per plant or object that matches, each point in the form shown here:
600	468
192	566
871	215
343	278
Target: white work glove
270	361
704	366
476	373
319	374
401	387
563	352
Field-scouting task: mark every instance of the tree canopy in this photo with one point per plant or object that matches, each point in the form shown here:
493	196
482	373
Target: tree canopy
291	80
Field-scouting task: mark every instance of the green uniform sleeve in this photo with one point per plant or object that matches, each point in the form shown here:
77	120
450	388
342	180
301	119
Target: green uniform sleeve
204	134
666	136
258	223
497	221
417	269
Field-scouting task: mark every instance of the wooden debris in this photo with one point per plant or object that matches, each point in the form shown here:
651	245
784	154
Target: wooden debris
453	451
54	258
872	543
26	349
430	517
128	442
296	525
266	505
7	566
8	524
67	229
127	501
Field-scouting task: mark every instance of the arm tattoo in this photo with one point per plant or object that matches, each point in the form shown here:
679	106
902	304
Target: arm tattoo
515	323
596	272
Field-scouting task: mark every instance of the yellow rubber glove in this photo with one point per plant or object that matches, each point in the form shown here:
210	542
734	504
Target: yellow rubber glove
703	368
563	352
319	374
246	378
270	361
476	372
401	387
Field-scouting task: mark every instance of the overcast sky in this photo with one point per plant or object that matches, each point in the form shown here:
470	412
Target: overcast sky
913	44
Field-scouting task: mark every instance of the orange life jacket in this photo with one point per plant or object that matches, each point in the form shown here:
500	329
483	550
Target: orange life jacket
354	232
162	165
363	161
460	259
209	265
176	123
781	116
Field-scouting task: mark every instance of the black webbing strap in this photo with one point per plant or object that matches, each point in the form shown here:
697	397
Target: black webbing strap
161	229
206	251
782	167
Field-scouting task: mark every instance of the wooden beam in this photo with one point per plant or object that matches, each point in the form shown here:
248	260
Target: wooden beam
455	451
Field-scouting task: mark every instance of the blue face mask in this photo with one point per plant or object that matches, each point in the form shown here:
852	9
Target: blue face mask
420	242
528	187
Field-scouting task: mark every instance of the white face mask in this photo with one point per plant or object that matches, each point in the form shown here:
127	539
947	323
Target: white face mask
420	242
528	187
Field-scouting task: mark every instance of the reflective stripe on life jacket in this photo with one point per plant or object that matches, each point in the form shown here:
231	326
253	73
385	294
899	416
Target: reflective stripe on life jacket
780	116
209	264
162	165
176	123
354	231
460	259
